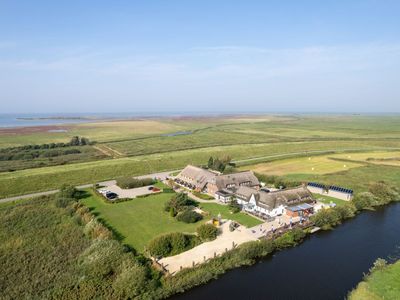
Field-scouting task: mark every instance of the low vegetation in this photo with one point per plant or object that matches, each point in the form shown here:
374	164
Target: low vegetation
131	182
171	244
189	216
382	282
380	193
65	254
207	232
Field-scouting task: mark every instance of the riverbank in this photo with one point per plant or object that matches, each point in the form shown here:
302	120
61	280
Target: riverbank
383	282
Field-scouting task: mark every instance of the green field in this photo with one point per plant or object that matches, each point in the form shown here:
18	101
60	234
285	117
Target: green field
138	147
380	285
141	219
303	165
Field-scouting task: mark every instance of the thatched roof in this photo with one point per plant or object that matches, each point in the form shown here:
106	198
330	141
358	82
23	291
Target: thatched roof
235	180
198	177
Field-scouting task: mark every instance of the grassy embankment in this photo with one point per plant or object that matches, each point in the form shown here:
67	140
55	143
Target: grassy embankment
383	284
140	220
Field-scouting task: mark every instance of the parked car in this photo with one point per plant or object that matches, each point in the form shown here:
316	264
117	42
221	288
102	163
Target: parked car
103	192
111	195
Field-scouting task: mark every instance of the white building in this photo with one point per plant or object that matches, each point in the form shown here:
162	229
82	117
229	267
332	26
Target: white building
271	203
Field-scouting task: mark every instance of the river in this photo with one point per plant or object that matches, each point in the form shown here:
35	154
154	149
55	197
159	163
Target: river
325	266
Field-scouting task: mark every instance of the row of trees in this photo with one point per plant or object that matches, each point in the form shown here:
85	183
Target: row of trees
219	164
30	155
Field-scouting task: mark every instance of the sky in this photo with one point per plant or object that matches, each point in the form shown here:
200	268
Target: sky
199	56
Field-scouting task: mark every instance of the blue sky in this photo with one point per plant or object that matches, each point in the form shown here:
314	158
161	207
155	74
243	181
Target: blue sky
232	56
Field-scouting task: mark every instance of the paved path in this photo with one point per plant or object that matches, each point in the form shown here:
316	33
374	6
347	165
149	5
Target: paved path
197	255
160	175
225	241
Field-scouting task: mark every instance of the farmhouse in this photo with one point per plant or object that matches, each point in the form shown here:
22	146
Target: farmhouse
211	182
232	182
271	203
195	178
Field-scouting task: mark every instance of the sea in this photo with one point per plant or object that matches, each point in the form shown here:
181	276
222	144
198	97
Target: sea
27	120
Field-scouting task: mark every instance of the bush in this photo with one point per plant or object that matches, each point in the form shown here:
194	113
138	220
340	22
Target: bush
160	246
207	232
289	239
379	264
364	200
179	202
130	182
68	191
171	244
326	218
346	211
189	216
383	192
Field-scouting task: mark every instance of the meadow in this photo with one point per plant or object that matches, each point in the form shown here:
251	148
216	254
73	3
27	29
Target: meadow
140	147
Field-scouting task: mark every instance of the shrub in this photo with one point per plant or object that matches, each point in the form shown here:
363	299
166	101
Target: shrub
346	211
160	246
171	244
379	264
326	218
189	216
383	192
207	232
130	182
364	200
68	191
289	239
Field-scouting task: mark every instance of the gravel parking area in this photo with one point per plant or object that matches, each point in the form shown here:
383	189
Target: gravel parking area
129	193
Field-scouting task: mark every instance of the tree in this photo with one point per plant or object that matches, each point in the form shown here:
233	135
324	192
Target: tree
179	202
234	206
68	191
74	141
210	162
207	232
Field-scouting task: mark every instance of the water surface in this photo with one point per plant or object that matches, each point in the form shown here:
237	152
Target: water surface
326	266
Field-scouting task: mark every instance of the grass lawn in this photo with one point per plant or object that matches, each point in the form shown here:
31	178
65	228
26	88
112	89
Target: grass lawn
139	220
214	209
327	200
382	284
